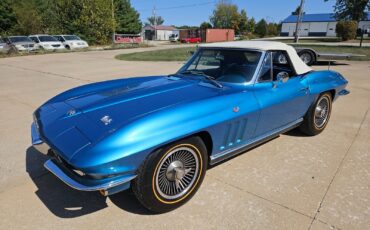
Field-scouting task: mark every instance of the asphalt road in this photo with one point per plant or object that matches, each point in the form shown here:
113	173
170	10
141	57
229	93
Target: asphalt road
291	182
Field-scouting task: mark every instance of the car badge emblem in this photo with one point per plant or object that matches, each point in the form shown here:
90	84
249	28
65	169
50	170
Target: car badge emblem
106	120
71	112
236	109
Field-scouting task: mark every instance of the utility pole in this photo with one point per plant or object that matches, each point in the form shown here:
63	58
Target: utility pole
113	26
299	19
155	23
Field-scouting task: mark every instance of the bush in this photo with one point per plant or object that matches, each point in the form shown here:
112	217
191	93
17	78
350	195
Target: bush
346	30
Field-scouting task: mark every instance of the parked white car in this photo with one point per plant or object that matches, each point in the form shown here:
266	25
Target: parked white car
47	42
72	41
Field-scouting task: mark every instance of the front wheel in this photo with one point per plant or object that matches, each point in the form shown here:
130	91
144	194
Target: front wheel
318	115
170	176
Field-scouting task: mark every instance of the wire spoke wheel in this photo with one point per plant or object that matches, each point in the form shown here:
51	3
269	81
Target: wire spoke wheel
177	173
321	112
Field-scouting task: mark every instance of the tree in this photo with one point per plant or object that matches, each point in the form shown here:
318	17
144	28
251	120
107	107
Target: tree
90	19
251	25
95	21
158	19
261	28
7	16
225	16
346	30
351	9
127	19
205	25
272	29
243	23
28	20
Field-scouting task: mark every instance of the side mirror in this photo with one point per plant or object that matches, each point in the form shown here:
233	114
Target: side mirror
282	77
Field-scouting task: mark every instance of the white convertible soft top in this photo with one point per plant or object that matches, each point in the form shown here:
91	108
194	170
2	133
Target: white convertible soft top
299	66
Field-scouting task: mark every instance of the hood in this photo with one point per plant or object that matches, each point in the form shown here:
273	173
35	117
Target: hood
126	102
85	115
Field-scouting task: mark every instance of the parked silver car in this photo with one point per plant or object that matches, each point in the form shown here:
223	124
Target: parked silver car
4	48
20	44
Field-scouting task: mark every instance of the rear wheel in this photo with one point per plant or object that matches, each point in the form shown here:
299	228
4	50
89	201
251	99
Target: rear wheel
170	176
318	115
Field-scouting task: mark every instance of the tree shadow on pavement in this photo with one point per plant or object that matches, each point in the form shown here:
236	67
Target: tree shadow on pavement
66	202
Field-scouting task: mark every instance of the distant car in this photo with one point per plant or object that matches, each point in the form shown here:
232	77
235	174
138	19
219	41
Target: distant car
47	42
72	41
174	37
191	40
20	44
4	48
158	134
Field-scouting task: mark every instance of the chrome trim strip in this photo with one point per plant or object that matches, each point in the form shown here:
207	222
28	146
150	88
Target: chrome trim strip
343	92
54	169
232	152
35	137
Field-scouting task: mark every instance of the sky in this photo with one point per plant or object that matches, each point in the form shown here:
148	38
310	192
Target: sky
194	12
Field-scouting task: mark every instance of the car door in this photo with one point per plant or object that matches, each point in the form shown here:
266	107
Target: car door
282	95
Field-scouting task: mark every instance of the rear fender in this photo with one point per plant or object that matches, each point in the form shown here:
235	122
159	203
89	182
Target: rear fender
323	81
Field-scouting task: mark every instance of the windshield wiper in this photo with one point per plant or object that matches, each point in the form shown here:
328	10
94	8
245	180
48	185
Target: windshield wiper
200	73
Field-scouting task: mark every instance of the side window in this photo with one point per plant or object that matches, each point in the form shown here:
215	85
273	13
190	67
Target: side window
266	71
282	63
34	39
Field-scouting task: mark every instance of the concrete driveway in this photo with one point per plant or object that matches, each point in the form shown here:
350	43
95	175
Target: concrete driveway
291	182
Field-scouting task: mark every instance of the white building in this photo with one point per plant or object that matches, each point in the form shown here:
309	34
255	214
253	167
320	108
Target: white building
163	32
316	25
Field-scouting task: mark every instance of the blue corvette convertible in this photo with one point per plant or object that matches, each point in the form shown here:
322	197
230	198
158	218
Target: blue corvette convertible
159	134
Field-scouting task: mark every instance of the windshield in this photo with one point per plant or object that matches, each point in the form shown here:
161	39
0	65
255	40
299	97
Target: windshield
71	37
20	39
225	65
1	40
47	39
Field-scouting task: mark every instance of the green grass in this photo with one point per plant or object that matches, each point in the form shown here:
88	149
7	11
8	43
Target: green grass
177	54
182	54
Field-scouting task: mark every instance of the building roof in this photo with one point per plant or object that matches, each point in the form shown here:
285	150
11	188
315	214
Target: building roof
316	18
299	66
159	27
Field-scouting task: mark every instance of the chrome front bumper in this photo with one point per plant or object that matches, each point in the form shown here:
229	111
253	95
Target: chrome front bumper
107	187
37	143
